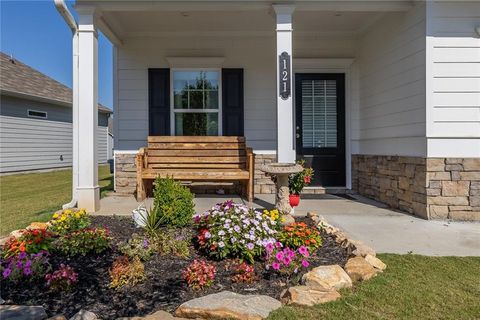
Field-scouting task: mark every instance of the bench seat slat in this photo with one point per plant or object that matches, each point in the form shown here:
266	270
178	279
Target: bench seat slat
196	175
198	152
198	145
196	159
202	139
173	166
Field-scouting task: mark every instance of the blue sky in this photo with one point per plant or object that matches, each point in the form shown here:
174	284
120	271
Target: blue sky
36	34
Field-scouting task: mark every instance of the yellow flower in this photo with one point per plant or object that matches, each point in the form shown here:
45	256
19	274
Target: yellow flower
55	216
63	218
68	211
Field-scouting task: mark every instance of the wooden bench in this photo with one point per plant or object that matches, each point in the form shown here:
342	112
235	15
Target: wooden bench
199	158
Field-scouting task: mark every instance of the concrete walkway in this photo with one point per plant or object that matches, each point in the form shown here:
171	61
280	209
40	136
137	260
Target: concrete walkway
366	220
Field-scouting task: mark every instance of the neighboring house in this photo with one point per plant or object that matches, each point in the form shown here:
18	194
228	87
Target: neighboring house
36	120
380	97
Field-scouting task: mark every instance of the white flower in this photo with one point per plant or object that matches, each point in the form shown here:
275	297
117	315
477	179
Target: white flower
221	233
221	244
233	239
208	235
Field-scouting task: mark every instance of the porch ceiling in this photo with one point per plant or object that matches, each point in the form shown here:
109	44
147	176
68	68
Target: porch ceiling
122	19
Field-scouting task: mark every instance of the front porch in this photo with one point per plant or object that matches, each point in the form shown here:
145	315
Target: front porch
369	221
346	86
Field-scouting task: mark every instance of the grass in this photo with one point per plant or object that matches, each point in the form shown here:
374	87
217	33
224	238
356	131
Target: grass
35	196
412	287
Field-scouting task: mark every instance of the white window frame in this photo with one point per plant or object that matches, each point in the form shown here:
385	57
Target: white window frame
37	117
172	102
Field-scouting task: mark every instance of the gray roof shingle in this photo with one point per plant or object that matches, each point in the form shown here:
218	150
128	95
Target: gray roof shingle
17	77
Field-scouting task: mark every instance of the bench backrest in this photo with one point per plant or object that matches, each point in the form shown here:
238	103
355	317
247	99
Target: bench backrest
186	152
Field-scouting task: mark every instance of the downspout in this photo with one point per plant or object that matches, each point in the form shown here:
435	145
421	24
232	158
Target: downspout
70	20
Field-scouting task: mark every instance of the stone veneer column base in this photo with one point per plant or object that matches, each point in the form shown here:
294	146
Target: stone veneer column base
125	174
432	188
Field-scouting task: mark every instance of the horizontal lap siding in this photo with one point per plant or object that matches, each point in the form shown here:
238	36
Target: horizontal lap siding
32	144
390	119
455	71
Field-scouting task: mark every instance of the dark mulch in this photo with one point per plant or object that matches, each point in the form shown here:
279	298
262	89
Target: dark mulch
164	288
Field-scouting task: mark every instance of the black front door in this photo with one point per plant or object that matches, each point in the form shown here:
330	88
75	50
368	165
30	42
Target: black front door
320	127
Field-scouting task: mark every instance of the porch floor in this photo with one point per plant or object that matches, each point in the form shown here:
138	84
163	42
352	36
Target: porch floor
363	219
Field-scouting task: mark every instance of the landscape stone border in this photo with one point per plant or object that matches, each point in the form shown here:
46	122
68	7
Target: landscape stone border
320	285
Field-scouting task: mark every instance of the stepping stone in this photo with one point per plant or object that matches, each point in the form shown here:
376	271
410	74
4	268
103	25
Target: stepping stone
307	296
12	312
228	305
327	278
159	315
359	269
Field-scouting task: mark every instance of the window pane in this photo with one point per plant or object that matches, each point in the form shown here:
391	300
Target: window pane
319	114
196	89
196	124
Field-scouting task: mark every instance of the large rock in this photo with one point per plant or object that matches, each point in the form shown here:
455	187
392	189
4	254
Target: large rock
12	312
84	315
307	296
361	249
327	278
38	226
375	262
159	315
359	269
228	305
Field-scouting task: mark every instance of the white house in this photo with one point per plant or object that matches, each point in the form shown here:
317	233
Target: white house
36	120
380	97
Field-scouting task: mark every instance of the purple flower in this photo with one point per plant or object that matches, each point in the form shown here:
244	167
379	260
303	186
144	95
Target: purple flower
208	235
19	264
236	228
28	263
250	246
146	243
27	271
6	273
22	255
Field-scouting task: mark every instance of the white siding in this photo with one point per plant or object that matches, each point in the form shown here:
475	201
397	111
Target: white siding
391	76
256	55
32	144
453	79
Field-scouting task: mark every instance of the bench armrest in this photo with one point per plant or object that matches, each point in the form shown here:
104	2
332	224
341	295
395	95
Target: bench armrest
250	161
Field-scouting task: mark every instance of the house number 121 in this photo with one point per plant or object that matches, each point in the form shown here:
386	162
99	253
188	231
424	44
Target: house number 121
285	79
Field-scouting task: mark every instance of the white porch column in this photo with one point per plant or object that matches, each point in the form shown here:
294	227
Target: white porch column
88	191
285	125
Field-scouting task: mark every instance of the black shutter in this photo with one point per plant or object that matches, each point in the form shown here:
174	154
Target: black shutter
232	102
159	102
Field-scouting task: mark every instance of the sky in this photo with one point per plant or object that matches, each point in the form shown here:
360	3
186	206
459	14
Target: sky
35	33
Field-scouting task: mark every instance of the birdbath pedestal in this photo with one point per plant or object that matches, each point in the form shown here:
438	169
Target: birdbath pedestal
282	171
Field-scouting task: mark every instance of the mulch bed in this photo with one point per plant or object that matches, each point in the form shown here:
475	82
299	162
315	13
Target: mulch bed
164	288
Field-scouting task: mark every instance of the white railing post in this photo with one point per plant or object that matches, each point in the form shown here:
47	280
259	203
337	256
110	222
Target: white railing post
285	125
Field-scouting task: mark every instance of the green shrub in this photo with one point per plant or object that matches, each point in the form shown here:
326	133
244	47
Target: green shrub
169	243
138	246
82	242
173	203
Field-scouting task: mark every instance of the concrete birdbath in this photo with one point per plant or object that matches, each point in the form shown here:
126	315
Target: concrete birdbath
282	171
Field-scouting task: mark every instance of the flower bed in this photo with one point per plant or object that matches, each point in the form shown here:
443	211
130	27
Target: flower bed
164	287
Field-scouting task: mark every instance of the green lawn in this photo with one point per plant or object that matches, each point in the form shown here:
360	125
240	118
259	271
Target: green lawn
35	196
412	287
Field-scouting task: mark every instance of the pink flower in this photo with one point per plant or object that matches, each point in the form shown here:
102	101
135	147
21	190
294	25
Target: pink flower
276	266
305	263
303	251
269	248
287	261
279	256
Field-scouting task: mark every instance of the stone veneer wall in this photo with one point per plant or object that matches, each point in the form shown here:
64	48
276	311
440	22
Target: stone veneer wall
262	182
125	173
436	188
453	188
396	181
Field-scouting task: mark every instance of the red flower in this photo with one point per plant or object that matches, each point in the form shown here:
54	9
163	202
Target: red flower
307	179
